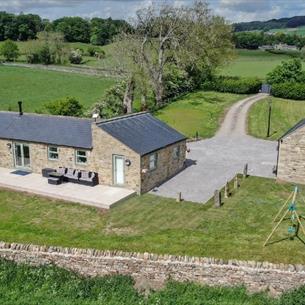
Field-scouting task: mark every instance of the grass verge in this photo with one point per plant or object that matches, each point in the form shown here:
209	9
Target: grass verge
200	112
285	114
159	225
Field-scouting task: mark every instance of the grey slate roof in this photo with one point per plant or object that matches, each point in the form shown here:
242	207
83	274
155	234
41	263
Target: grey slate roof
56	130
294	128
141	132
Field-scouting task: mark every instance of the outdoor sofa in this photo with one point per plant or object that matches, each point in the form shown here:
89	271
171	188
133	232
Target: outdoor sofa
72	175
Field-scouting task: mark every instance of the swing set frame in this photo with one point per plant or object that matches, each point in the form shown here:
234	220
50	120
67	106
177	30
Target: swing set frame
295	218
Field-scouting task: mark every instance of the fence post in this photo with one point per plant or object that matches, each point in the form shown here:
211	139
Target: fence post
179	197
236	184
245	175
227	190
217	199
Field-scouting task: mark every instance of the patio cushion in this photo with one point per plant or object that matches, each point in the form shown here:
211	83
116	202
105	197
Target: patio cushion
70	172
85	175
62	170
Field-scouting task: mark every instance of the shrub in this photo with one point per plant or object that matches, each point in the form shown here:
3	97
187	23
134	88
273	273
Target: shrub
236	85
76	57
287	71
66	107
9	50
111	104
33	58
45	55
93	50
295	91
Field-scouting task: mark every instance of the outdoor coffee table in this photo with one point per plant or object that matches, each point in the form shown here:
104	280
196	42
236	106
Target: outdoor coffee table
58	176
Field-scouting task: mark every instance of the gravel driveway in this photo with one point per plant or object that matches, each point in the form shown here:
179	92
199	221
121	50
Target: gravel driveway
214	161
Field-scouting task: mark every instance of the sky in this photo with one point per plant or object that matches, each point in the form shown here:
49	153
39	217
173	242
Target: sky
232	10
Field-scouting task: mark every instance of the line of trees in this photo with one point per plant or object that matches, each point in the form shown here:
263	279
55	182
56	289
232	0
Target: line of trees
24	27
253	40
281	23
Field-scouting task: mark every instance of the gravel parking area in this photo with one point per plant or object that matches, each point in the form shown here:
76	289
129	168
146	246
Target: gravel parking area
214	161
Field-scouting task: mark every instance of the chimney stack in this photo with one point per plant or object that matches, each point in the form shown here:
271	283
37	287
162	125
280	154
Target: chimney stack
20	108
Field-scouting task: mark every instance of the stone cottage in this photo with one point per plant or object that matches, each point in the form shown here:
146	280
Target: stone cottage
291	155
134	151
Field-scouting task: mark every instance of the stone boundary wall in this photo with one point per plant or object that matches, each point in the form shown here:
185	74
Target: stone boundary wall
157	269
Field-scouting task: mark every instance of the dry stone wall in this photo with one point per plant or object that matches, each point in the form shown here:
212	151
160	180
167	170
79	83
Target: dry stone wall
157	269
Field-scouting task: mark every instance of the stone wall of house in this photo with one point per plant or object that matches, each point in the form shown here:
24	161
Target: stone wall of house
39	157
6	155
167	166
105	147
155	270
291	159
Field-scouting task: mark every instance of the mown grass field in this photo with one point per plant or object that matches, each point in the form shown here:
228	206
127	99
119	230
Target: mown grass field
200	111
22	284
154	224
285	114
291	31
38	87
255	63
108	62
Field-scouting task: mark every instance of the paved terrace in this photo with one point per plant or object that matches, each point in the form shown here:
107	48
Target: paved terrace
99	196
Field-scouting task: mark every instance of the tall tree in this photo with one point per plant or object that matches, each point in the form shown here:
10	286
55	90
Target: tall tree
188	38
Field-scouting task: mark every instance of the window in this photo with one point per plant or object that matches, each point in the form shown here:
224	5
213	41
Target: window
153	160
81	157
176	152
53	153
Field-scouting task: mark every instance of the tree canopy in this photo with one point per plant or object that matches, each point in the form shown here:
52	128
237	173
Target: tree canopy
189	43
288	72
23	27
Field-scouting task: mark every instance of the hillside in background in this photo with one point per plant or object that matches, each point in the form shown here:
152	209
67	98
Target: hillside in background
282	23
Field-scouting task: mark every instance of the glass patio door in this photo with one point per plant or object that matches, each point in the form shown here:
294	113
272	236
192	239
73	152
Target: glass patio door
22	156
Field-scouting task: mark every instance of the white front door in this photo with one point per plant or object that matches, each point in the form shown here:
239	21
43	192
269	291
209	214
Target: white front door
118	170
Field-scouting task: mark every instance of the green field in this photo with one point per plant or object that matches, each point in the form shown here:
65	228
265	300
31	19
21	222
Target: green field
253	63
37	87
200	111
26	285
291	31
108	62
285	114
159	225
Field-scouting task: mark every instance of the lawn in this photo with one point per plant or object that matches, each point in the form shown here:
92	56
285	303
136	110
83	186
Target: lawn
255	63
37	87
200	112
285	114
159	225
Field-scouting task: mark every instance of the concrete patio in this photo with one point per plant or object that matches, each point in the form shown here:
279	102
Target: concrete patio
100	196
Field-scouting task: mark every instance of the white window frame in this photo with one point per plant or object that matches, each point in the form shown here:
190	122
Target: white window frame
176	152
153	161
53	152
77	156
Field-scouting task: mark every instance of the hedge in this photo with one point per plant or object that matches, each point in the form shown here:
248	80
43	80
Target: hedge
238	85
294	91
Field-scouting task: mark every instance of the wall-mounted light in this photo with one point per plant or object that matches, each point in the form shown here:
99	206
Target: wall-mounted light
127	162
9	145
